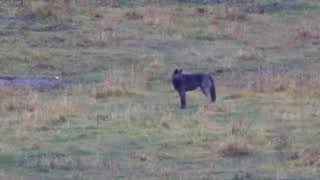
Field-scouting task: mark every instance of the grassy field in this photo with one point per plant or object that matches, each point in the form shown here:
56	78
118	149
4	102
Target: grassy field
118	117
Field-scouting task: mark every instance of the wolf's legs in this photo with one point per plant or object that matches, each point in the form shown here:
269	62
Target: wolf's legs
182	99
213	93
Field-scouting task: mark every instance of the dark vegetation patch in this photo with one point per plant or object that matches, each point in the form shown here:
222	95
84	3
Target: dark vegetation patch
22	21
57	28
275	7
7	32
52	42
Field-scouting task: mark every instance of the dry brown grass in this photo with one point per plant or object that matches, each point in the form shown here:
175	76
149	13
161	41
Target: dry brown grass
248	54
157	16
46	164
237	127
138	156
110	37
12	98
5	91
117	83
255	34
224	106
234	146
270	82
101	38
7	176
314	85
39	114
230	13
107	29
267	82
83	40
32	109
108	22
236	30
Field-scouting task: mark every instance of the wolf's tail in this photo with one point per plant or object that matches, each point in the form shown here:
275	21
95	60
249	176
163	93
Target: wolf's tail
212	90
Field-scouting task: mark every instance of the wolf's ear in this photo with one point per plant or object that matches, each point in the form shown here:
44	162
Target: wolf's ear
180	71
176	71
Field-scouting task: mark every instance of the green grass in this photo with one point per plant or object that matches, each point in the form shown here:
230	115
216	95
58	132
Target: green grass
120	117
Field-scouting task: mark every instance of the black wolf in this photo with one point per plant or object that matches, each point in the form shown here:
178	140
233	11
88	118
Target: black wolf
189	82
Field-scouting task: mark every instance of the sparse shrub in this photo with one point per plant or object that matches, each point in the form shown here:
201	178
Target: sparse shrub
106	90
133	15
309	33
309	156
139	156
96	12
200	11
165	125
44	64
282	141
234	146
83	40
234	14
248	54
236	127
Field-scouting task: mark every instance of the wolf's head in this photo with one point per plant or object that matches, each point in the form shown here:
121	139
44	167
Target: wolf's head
177	73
